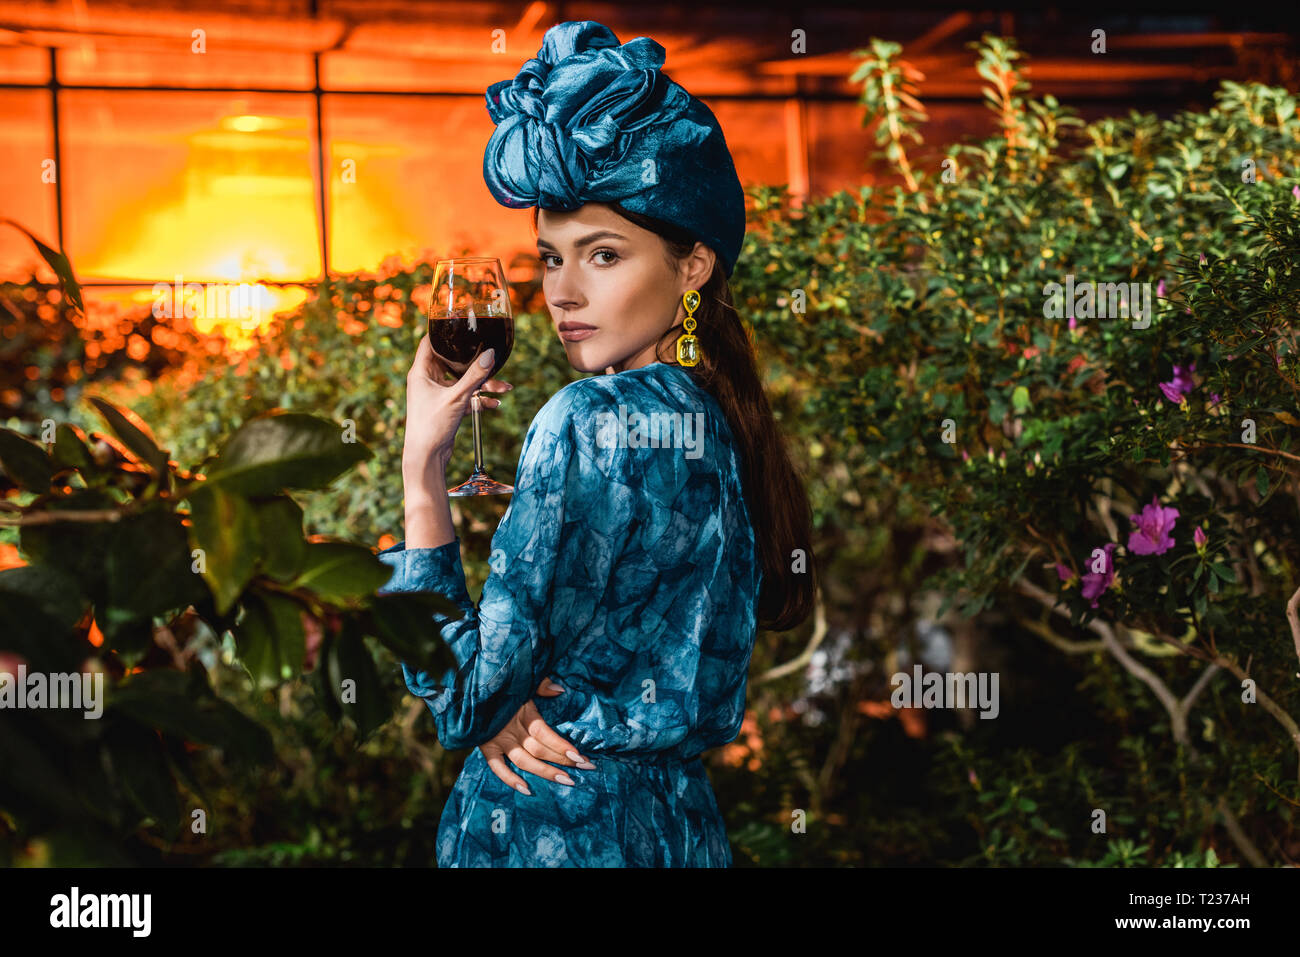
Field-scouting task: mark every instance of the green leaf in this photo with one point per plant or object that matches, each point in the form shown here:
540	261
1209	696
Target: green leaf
140	767
351	661
279	450
149	567
270	638
135	435
59	263
404	622
70	450
1224	572
1261	482
79	548
54	591
25	462
283	547
339	572
224	527
38	607
185	706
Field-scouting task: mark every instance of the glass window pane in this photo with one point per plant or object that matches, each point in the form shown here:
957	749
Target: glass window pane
155	62
407	178
212	186
755	132
24	65
839	147
26	163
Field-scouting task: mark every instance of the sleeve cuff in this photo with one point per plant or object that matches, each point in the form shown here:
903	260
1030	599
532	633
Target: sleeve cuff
427	569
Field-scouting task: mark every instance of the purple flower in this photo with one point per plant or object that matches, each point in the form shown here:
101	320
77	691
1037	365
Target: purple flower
1095	583
1180	384
1063	572
1151	537
1214	399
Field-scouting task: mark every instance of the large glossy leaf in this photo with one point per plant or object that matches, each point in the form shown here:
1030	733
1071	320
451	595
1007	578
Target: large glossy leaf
404	622
364	698
58	262
270	638
149	567
28	629
280	523
57	593
224	526
340	572
133	432
70	449
25	462
184	705
141	770
280	450
79	548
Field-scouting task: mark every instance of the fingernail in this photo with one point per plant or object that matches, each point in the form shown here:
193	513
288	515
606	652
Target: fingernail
557	687
524	788
509	387
485	360
564	778
574	756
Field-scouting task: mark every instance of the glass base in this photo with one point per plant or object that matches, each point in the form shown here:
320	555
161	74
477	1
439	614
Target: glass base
480	483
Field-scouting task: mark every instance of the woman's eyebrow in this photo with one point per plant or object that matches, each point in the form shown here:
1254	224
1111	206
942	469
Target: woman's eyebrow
585	240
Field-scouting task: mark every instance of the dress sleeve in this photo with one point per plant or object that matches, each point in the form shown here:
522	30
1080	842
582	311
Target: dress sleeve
552	556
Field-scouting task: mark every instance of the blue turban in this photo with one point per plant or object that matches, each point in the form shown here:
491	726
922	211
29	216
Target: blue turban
590	120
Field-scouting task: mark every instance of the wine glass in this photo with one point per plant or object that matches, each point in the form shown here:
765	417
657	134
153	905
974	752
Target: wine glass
469	312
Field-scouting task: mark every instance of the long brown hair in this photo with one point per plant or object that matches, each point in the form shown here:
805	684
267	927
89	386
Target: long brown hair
774	490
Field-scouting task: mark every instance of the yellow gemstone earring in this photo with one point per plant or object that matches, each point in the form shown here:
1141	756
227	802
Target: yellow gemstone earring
688	347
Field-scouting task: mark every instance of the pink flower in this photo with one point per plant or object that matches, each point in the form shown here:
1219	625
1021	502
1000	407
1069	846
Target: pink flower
1295	191
1180	384
1073	323
1151	537
1095	583
1199	538
1202	258
1160	289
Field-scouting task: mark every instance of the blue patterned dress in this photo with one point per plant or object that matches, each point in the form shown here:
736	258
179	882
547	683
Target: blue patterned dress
625	570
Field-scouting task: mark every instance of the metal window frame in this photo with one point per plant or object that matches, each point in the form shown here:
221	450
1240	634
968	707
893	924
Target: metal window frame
797	152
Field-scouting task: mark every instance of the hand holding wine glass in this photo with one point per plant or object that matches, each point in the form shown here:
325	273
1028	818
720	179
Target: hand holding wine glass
470	314
434	410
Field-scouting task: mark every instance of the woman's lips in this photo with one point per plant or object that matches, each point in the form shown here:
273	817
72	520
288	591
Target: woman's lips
576	331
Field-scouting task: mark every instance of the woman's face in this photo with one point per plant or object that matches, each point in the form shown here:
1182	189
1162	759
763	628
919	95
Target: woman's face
610	277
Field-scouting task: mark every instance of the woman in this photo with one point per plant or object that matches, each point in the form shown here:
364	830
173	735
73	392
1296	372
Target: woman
627	566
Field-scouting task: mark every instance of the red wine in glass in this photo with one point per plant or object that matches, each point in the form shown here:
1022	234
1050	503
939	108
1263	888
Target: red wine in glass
458	340
469	313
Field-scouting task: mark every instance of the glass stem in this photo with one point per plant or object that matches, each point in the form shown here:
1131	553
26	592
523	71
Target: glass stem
478	436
